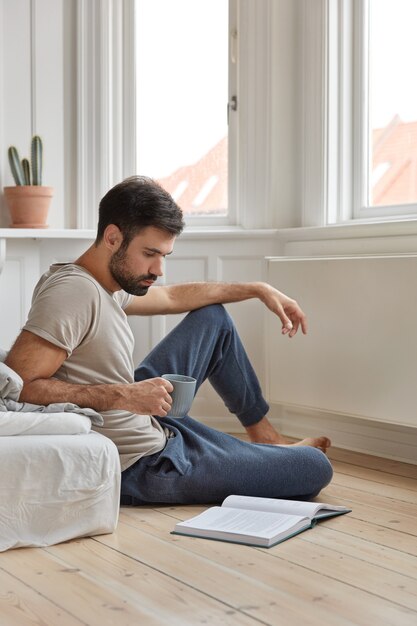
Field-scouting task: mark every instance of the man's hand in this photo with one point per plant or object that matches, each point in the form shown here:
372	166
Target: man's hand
147	397
287	309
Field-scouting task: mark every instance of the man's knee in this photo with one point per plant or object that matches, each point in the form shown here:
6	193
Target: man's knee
212	314
320	472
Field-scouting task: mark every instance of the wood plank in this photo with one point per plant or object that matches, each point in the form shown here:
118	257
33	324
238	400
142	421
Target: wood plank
169	553
376	488
376	554
286	575
387	466
142	587
348	524
378	535
84	598
21	604
359	574
365	473
331	534
379	510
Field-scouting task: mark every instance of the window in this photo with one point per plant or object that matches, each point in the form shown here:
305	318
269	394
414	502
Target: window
388	143
140	98
359	111
182	96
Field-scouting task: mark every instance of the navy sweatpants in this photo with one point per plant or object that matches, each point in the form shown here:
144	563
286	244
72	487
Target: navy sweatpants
200	464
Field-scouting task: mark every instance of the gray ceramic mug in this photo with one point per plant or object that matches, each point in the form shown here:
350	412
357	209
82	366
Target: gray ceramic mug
182	395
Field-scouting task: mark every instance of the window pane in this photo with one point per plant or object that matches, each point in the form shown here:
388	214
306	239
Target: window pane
393	102
182	100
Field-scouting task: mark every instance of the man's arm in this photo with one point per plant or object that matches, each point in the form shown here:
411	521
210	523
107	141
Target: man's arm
190	296
36	361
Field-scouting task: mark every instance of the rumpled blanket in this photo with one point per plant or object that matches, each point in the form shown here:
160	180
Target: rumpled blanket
53	419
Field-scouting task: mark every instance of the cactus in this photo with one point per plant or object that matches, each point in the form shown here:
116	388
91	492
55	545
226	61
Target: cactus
15	166
21	171
36	157
26	171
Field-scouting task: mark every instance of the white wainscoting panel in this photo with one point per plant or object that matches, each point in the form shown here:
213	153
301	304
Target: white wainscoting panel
17	280
149	331
60	251
11	281
248	316
359	358
184	269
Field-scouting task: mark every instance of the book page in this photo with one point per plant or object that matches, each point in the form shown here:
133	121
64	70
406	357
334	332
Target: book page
250	523
290	507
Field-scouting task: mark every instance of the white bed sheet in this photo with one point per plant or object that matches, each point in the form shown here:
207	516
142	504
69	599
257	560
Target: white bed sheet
57	487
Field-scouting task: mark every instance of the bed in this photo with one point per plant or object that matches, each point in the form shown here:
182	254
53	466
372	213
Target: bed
58	478
57	487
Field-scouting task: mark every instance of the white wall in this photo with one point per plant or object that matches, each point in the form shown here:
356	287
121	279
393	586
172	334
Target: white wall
373	378
355	308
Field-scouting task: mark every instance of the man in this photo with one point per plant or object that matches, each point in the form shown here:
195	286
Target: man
77	347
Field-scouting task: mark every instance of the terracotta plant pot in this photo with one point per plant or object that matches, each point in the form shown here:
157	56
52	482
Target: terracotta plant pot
28	205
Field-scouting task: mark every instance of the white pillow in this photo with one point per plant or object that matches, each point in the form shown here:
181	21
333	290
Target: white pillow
19	423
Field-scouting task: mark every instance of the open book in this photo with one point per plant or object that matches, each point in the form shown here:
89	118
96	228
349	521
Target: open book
257	521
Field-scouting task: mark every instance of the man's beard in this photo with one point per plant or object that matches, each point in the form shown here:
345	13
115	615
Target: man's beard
128	281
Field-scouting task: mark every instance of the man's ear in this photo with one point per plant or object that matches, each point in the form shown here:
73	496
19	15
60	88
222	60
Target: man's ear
112	237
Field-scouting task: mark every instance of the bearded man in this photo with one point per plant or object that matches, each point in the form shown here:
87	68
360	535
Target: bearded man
77	346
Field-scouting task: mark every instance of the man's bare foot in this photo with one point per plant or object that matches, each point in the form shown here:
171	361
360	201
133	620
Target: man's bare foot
264	432
314	442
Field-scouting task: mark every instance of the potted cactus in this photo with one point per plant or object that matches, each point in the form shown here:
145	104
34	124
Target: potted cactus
29	200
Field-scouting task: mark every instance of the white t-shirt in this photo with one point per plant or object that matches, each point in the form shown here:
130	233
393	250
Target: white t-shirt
71	310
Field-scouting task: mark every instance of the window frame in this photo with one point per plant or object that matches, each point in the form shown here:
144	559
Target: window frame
264	183
231	217
334	124
361	124
251	150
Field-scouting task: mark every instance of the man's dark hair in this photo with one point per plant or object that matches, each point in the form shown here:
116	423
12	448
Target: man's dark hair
134	204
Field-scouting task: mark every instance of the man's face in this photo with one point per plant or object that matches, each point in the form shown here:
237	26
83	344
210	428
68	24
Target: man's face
137	267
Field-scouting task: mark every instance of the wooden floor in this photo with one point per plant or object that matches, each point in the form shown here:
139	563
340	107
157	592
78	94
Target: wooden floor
360	568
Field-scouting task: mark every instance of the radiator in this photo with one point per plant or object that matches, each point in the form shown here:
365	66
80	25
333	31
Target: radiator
359	357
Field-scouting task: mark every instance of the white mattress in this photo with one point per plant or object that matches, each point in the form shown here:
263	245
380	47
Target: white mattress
57	487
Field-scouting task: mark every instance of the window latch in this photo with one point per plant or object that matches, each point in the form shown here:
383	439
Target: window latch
231	106
233	103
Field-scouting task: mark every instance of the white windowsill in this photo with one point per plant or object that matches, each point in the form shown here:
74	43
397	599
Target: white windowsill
46	233
350	230
227	232
191	232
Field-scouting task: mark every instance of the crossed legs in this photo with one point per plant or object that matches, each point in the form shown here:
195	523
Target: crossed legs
200	464
206	345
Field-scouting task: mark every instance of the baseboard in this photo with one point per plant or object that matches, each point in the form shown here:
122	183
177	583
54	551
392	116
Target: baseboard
389	441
